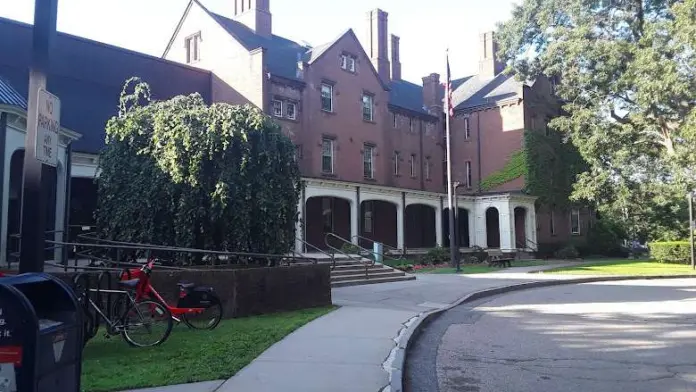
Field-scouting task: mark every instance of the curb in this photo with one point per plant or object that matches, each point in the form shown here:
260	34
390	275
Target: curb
396	372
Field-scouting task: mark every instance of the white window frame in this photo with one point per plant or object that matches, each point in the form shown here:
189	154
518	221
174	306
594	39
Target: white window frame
369	152
410	124
394	119
275	104
552	226
467	129
331	96
371	107
397	157
575	212
331	155
192	43
344	61
288	104
427	168
468	175
412	163
351	63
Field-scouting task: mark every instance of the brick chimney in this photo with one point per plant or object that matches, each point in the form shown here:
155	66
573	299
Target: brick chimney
489	66
255	14
395	61
377	37
432	95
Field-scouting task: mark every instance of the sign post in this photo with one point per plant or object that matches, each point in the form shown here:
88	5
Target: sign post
33	237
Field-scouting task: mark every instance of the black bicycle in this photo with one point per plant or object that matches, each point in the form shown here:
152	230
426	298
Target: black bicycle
141	324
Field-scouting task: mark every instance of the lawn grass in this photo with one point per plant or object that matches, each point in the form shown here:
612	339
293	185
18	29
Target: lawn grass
625	267
188	355
468	269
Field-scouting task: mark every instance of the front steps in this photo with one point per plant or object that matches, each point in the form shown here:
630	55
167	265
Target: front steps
350	272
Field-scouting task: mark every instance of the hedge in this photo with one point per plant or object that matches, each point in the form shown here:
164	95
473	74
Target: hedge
671	252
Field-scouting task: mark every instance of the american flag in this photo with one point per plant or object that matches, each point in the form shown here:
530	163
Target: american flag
448	90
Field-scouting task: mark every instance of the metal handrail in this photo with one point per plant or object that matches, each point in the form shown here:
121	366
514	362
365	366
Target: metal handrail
361	260
331	256
400	251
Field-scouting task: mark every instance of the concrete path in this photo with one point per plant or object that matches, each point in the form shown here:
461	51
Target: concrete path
602	337
351	349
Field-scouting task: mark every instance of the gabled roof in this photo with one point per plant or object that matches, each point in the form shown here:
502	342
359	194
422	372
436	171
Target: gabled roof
475	91
407	95
88	77
11	97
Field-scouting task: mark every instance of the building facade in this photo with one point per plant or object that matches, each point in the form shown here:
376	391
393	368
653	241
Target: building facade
369	144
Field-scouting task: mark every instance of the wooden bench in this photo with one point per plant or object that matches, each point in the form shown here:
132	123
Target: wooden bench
496	258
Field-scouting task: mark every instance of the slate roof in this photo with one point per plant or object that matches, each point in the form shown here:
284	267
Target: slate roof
475	91
88	77
11	97
407	95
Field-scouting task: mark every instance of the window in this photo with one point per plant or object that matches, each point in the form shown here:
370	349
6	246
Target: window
468	174
327	97
327	156
396	125
397	157
291	110
547	129
327	214
298	152
575	222
277	108
467	130
367	101
552	225
348	62
427	168
412	163
367	217
410	125
368	169
193	48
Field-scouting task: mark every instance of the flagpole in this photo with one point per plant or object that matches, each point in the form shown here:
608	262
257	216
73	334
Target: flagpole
450	196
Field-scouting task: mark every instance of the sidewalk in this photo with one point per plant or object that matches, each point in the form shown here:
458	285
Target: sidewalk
351	348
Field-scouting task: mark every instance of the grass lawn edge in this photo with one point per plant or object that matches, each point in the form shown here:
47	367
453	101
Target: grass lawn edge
189	356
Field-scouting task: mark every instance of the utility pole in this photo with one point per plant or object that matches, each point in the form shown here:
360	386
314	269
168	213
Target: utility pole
457	225
33	236
449	108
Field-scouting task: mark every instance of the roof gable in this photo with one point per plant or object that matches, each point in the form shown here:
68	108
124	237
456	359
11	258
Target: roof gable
88	77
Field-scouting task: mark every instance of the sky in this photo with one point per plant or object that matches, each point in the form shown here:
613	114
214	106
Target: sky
426	27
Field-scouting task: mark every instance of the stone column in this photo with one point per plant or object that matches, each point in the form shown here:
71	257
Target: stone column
354	220
438	227
507	226
299	235
400	226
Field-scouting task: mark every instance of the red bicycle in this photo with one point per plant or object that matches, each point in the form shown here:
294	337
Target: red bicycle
195	302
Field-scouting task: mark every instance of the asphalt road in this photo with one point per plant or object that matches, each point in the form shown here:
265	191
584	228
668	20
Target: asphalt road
601	337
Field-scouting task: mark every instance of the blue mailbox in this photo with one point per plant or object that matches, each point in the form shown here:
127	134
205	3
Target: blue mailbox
40	335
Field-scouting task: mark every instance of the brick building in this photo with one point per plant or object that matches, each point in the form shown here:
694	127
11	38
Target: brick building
369	144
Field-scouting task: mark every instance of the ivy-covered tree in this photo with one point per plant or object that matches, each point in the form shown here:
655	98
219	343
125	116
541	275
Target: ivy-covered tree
627	75
185	174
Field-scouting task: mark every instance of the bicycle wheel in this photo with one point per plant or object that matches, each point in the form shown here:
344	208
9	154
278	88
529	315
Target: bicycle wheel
146	324
208	319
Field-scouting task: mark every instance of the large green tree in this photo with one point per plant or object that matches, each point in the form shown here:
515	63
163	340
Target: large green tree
185	174
626	73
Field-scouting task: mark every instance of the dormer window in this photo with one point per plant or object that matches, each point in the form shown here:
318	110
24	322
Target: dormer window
193	48
348	62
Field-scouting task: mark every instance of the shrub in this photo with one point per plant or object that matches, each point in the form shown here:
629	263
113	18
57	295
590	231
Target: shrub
437	255
568	252
547	249
604	238
350	249
671	252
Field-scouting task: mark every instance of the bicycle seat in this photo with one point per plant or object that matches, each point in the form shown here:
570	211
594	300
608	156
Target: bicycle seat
185	285
131	283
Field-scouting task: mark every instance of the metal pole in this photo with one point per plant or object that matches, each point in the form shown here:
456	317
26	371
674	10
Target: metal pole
456	227
691	228
453	253
33	237
68	195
